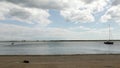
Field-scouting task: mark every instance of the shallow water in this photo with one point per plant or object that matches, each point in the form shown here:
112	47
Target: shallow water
58	48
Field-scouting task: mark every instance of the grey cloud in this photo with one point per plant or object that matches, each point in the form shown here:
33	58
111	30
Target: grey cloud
20	13
88	1
44	4
116	2
69	9
24	14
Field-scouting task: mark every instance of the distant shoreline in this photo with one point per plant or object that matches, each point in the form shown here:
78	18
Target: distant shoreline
62	55
54	40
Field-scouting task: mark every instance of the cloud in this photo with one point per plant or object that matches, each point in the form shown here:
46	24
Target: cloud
78	16
87	29
72	10
15	32
88	1
112	14
24	14
44	4
116	2
80	28
37	11
81	11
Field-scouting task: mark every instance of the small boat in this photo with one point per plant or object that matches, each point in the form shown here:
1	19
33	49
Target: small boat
109	42
12	43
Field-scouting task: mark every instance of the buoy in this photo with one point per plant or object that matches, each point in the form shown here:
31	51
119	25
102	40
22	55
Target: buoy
12	43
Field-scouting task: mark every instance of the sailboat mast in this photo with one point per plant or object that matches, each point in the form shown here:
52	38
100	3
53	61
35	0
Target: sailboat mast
109	31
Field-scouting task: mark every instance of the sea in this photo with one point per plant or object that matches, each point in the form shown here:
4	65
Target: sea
59	48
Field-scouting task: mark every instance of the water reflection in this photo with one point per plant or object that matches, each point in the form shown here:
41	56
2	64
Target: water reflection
57	48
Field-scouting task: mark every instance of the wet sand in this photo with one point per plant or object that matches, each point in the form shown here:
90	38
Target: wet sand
60	61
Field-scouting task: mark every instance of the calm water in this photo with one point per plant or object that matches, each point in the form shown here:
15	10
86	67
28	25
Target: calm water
58	48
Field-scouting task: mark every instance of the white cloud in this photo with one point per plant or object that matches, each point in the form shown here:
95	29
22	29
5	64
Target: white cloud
24	14
77	16
14	32
71	10
105	18
83	10
113	14
96	33
80	28
37	11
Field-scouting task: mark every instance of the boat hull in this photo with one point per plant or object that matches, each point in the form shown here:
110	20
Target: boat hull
109	42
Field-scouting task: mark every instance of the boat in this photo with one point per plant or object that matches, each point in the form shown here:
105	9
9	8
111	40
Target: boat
109	42
12	43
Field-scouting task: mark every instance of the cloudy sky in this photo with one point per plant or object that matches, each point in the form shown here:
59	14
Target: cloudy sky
59	19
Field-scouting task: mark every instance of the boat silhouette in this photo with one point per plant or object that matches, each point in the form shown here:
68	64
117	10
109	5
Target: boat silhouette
109	42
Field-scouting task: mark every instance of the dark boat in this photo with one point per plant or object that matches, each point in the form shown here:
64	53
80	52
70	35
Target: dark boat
109	42
12	43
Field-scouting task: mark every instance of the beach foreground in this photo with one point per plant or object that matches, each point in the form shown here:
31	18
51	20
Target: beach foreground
60	61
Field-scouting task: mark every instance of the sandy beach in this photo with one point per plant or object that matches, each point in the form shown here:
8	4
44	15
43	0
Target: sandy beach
60	61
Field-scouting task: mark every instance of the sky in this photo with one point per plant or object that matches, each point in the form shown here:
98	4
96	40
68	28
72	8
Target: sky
59	19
